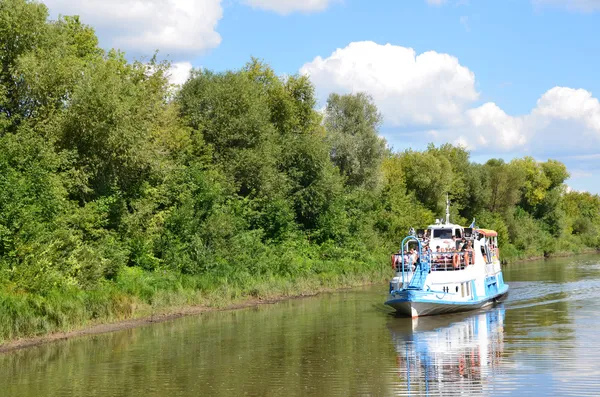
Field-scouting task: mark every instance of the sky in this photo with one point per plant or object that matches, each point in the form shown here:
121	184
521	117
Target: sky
505	78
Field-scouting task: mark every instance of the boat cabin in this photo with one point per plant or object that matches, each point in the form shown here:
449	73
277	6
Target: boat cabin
489	244
451	247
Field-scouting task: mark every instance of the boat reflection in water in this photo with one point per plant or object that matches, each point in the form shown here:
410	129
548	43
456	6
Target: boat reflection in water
449	354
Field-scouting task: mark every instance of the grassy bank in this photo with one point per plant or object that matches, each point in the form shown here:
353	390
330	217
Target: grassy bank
136	293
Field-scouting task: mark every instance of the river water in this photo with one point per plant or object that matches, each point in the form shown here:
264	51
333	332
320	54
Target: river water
544	340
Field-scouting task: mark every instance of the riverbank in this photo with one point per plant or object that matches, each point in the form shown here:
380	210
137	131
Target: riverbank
164	315
560	254
259	294
114	310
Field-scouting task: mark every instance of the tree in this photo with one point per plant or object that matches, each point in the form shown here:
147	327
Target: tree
428	177
22	28
52	69
505	181
556	172
536	182
108	125
356	148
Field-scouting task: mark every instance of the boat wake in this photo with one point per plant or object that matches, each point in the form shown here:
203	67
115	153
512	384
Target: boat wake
532	294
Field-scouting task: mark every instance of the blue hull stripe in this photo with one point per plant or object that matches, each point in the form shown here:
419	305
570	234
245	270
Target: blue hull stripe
503	291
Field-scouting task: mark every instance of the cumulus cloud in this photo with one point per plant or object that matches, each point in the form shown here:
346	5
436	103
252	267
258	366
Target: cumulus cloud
564	120
179	28
426	89
576	5
491	125
286	7
435	94
570	104
179	72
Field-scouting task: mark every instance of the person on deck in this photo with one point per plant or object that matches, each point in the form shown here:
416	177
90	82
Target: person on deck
413	258
470	253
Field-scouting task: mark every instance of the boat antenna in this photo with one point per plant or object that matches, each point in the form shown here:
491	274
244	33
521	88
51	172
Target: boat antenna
447	209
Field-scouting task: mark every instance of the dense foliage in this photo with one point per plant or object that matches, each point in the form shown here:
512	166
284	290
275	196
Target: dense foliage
118	190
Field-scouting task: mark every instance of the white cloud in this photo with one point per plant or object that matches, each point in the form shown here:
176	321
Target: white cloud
489	124
569	104
179	28
425	89
435	2
576	5
564	120
286	7
179	72
435	94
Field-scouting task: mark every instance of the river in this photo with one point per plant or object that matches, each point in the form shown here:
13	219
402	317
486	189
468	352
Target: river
544	340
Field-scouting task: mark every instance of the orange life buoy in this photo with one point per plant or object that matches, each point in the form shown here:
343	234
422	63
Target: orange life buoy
394	261
467	262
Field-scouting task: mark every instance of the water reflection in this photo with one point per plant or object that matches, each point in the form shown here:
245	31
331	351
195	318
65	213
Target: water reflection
450	354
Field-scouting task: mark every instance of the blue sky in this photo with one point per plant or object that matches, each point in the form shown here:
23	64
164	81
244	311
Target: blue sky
506	78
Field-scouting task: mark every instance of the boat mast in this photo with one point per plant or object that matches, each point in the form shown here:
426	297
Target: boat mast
447	209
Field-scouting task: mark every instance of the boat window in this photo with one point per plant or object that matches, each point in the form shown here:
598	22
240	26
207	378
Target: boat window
442	233
457	233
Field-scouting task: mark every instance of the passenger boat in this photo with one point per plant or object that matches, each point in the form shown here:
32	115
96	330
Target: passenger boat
446	268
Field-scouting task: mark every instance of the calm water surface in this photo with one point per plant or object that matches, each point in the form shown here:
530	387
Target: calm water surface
544	340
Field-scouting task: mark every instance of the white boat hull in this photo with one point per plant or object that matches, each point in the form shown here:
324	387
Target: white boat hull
406	306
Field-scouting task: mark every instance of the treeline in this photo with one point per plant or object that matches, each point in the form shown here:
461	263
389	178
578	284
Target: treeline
118	190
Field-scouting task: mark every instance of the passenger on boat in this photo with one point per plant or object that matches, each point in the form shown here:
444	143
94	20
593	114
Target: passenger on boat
435	257
483	251
470	253
455	259
413	258
446	257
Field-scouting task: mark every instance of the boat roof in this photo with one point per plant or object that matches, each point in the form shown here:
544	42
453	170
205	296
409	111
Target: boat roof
444	226
487	232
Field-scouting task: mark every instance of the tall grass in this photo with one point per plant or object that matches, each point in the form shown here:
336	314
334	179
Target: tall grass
137	293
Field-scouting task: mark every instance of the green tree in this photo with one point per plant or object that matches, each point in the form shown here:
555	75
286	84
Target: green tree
505	182
51	70
556	172
22	28
536	182
428	177
109	125
352	123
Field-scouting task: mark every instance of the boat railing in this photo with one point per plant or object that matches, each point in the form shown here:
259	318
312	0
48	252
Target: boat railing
412	264
437	261
450	261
